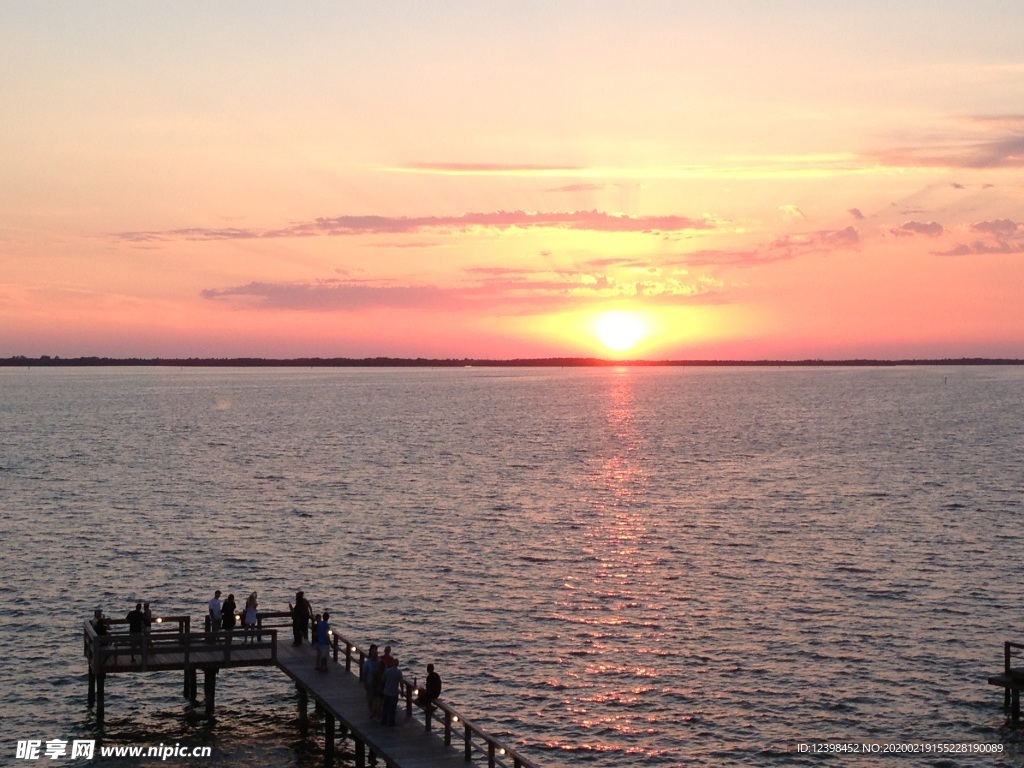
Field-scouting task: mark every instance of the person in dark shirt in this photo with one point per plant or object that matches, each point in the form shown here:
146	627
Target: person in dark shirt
136	625
431	690
301	612
100	623
227	613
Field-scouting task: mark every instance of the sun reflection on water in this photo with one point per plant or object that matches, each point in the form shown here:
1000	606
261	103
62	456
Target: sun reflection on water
608	594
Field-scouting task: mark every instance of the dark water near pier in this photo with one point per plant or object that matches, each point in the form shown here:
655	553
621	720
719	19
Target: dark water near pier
610	567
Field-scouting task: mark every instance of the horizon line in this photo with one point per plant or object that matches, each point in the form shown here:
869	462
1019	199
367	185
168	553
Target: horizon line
22	361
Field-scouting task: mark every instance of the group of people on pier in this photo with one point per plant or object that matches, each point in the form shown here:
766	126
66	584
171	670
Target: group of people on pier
302	618
382	677
140	621
224	615
380	674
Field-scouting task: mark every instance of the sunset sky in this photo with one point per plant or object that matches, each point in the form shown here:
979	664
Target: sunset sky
740	179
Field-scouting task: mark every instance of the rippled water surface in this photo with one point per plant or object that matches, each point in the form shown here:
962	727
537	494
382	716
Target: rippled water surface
610	567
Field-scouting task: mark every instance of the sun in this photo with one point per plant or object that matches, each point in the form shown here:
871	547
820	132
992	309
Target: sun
620	330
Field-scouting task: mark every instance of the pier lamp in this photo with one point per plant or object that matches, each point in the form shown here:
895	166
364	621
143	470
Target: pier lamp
455	718
159	620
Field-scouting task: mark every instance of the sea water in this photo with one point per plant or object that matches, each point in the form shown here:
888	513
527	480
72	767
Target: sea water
608	567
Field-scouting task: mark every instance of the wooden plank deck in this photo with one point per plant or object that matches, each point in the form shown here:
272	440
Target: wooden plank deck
407	744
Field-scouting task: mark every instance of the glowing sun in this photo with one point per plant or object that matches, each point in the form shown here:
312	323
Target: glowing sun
620	330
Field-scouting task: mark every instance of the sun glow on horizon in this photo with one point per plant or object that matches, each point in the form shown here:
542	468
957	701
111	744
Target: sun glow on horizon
620	330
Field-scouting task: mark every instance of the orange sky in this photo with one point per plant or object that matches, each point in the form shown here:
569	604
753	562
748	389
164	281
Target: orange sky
758	180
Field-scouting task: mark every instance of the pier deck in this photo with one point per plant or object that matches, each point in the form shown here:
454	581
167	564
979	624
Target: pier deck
408	744
338	694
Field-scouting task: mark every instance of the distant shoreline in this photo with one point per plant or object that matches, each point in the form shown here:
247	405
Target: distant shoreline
46	361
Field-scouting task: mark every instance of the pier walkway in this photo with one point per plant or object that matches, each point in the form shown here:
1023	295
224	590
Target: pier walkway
439	736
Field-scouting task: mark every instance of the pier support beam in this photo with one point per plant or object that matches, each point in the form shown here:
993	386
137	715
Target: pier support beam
191	686
360	752
92	688
99	698
328	739
303	710
209	688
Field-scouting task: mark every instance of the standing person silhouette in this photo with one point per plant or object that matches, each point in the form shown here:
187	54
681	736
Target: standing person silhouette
215	610
136	626
249	618
323	641
392	683
228	613
301	612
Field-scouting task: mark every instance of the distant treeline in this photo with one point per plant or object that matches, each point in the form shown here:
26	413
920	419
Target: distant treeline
420	362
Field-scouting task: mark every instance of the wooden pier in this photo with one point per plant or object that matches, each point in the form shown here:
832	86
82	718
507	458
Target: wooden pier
437	736
1011	680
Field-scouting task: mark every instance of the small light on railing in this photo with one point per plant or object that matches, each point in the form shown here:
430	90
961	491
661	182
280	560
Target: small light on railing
351	649
455	719
415	691
159	620
501	751
330	633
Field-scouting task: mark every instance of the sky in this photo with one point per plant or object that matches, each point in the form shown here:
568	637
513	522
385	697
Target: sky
769	179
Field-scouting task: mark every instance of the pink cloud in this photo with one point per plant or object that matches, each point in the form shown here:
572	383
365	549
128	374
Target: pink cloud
593	221
931	229
487	168
998	227
980	248
797	244
993	141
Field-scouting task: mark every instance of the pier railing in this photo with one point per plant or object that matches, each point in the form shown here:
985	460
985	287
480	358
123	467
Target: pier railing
1010	651
170	638
476	742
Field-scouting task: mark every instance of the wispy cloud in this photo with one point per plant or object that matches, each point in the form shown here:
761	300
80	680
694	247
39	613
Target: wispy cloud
979	247
822	241
327	295
1001	227
996	236
496	288
580	188
487	169
910	228
980	142
340	226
